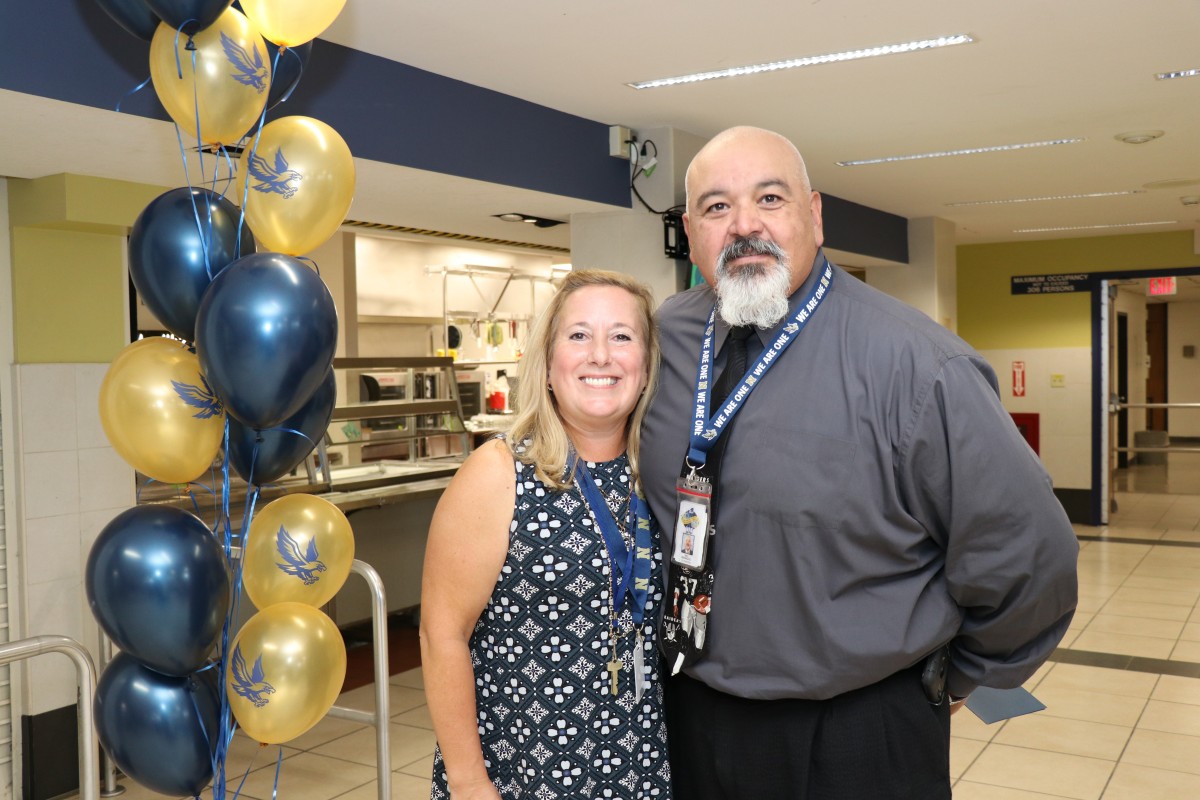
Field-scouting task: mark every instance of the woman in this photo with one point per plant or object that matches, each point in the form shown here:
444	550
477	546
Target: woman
543	573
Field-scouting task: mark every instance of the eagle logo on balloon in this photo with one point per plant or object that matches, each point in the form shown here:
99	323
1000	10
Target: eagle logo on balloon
252	686
204	399
274	178
251	71
302	565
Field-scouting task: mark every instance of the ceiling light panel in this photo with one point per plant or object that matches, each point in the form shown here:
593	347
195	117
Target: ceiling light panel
1097	227
1046	197
970	151
1183	73
809	61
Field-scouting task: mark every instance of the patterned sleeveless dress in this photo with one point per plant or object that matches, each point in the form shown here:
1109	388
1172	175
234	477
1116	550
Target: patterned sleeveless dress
549	724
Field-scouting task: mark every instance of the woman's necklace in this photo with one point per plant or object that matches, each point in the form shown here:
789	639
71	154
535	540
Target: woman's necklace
615	664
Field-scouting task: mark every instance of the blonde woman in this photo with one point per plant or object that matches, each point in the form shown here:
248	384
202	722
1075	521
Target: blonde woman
543	573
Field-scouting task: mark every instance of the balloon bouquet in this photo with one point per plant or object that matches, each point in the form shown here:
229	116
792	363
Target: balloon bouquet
253	392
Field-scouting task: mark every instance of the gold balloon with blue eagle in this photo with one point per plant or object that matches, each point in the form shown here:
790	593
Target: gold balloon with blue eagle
229	84
159	412
295	182
285	669
299	549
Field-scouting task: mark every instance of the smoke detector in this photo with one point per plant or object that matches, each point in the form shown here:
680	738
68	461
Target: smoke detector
1138	137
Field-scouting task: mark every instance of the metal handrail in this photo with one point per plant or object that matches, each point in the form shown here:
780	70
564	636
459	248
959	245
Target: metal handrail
380	718
86	671
1155	405
107	768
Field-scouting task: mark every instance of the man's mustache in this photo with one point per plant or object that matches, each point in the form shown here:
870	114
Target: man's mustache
749	246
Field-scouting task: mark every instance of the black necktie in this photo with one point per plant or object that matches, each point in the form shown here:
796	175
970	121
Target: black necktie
735	362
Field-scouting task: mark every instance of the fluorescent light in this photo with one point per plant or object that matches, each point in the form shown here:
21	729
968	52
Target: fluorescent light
1183	73
1047	197
967	152
809	61
1097	227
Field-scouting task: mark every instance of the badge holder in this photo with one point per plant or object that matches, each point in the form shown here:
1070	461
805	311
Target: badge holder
691	582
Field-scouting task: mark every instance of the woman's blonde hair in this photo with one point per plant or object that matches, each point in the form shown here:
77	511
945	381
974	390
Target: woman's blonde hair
537	435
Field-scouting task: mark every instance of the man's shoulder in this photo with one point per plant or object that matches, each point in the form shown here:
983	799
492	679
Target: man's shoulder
690	303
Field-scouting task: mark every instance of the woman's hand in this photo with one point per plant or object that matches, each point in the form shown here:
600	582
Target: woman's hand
482	789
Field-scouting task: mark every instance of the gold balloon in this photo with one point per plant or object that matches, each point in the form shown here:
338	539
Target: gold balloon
285	668
291	22
230	82
158	411
301	183
299	550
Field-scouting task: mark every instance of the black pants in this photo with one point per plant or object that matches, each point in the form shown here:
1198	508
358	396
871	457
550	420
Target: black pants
881	742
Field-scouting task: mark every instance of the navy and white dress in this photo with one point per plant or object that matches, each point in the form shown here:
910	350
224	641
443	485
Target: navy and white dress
549	724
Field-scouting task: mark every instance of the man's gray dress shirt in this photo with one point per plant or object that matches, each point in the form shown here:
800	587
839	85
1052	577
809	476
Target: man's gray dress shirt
876	501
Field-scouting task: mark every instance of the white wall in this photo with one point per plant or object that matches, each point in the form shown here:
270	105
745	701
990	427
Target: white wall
72	484
1064	413
1183	374
393	284
625	241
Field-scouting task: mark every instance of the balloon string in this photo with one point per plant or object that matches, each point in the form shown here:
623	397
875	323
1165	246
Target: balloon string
232	174
204	232
131	93
227	724
309	260
290	430
199	141
278	764
296	83
262	118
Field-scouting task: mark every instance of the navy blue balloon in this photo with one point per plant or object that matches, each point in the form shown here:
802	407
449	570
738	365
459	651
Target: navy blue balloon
286	70
265	334
198	14
281	450
160	730
158	583
132	15
167	252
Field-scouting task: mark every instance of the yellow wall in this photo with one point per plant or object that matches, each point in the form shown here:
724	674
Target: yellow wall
991	317
68	266
68	296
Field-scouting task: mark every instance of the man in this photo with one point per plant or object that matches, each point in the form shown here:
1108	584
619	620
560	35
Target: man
873	506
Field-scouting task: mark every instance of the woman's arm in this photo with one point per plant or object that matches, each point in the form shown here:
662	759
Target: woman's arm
468	542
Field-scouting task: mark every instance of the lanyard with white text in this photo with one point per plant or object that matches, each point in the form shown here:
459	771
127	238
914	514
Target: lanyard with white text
706	430
630	568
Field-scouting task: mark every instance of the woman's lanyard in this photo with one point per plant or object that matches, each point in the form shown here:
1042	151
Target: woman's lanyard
630	569
705	429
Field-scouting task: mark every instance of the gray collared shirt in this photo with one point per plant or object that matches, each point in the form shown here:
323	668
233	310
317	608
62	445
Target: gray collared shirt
876	501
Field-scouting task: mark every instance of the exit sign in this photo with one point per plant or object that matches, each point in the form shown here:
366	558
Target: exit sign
1160	286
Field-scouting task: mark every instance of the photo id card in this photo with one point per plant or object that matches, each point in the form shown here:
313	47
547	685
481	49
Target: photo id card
691	527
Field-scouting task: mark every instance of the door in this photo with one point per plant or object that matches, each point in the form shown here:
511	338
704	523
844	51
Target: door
1122	344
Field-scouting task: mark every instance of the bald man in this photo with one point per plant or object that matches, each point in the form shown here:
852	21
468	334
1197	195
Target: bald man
869	537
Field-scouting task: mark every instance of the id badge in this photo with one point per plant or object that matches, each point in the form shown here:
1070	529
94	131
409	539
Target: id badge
692	523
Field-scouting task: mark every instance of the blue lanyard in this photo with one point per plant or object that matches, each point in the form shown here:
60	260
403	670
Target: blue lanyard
630	570
705	429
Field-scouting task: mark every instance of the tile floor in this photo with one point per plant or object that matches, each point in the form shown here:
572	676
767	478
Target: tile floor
1122	693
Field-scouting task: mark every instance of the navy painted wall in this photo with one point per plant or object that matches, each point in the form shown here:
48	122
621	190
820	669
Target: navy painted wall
71	50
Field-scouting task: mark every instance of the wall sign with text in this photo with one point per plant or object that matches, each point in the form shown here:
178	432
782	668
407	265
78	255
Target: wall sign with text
1052	284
